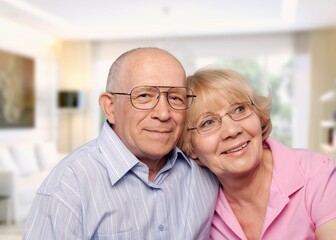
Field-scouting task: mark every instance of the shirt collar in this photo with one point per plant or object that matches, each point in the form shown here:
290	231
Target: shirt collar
286	171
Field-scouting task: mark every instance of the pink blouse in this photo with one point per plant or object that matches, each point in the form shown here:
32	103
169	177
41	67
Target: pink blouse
302	197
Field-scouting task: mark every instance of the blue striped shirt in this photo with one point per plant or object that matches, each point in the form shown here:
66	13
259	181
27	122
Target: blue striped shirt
102	191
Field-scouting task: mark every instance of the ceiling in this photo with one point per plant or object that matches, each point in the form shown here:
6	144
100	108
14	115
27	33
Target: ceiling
111	19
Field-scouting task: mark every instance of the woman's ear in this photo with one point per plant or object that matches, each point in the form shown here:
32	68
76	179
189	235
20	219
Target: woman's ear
195	158
191	151
192	154
106	102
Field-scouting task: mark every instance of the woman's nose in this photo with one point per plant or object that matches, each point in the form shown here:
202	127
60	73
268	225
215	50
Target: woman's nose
230	127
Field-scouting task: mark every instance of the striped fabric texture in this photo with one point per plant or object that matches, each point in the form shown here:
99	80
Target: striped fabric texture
102	191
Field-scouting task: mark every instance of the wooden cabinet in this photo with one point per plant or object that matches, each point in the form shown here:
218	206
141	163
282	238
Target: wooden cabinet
329	146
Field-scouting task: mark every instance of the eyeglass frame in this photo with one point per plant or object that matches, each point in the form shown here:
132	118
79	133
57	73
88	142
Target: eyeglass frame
251	104
192	96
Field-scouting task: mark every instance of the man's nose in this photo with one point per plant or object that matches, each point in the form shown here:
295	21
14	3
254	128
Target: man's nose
162	108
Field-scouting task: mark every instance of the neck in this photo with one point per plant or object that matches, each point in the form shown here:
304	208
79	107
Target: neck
255	183
154	166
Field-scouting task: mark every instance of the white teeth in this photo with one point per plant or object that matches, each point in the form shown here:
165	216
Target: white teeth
236	149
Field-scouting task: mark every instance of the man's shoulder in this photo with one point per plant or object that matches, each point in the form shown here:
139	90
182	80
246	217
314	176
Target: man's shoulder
203	174
69	170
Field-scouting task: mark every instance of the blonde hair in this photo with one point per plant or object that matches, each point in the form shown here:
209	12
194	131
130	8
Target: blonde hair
211	86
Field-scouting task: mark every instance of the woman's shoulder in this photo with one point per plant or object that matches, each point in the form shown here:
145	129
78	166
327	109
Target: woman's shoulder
310	162
314	162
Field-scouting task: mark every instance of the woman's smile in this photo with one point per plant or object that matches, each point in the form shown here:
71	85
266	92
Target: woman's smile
236	149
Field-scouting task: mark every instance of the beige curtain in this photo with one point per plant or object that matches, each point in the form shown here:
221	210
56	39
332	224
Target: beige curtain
322	50
75	66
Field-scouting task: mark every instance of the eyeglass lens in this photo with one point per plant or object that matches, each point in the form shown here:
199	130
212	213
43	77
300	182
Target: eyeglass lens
213	122
146	97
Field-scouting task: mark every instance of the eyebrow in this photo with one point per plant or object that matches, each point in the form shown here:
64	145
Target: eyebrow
204	115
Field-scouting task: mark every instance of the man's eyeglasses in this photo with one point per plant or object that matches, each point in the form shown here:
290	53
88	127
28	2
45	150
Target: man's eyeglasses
147	97
212	122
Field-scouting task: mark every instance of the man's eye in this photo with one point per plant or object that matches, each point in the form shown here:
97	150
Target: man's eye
176	98
143	95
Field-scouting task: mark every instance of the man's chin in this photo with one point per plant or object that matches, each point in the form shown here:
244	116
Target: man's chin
158	152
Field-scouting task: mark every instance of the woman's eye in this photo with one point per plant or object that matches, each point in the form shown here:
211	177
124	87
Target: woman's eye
207	123
239	109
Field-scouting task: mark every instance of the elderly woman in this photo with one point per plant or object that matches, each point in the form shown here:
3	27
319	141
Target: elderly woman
268	190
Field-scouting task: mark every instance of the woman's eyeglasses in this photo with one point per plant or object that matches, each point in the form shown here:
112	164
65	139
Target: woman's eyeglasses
212	122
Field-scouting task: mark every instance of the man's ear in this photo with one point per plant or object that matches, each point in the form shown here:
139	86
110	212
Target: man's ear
106	102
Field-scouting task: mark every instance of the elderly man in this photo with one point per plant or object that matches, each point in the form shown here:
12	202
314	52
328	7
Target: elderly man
132	182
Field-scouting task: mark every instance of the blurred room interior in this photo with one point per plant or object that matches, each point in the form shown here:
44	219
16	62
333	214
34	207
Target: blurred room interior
55	57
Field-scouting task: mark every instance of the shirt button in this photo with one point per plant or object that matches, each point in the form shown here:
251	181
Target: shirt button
161	227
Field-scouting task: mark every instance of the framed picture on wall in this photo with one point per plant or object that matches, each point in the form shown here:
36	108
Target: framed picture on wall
17	91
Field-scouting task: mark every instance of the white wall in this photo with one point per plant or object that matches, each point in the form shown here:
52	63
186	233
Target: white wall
40	49
188	49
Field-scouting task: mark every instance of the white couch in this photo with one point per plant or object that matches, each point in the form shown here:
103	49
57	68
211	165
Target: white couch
23	167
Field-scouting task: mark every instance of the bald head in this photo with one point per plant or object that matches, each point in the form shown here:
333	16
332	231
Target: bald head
130	60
